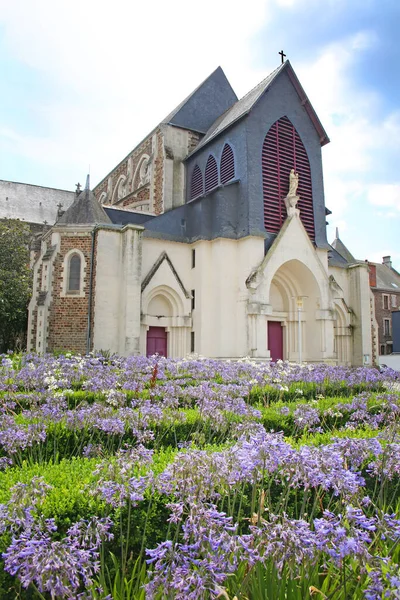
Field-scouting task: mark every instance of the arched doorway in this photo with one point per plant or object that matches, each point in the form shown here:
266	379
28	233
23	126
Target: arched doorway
294	327
165	327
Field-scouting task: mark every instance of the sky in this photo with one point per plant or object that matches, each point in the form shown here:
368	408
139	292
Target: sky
83	81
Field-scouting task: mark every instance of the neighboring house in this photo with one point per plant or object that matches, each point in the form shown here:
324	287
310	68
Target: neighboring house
385	286
209	237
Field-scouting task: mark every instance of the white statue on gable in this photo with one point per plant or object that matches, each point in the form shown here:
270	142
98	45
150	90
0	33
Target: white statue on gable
292	198
144	171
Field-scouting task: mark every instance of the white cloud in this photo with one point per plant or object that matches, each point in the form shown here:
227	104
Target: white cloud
385	194
121	67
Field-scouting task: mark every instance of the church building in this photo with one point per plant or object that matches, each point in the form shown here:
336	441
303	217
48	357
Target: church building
208	238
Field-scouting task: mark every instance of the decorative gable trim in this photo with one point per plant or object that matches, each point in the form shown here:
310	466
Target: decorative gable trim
163	256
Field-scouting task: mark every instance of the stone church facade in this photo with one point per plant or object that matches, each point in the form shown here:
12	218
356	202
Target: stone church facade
209	237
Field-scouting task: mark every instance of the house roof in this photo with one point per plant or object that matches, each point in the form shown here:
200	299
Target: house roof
387	278
243	106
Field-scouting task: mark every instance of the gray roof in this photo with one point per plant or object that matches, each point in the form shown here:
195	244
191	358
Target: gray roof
335	259
387	278
123	217
245	104
85	210
338	245
210	99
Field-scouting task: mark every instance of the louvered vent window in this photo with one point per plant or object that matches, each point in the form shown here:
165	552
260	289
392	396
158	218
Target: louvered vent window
211	175
227	170
196	187
282	151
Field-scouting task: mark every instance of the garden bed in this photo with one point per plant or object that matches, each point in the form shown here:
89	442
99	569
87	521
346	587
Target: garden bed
155	478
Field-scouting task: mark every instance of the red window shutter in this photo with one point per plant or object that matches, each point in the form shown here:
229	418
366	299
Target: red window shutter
211	174
282	151
227	166
196	186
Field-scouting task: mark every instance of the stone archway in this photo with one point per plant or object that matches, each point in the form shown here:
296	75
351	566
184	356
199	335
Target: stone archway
163	307
343	335
293	293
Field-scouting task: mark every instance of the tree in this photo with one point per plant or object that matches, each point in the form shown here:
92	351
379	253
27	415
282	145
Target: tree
15	282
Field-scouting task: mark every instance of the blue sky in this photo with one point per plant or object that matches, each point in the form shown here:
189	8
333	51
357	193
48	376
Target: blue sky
81	84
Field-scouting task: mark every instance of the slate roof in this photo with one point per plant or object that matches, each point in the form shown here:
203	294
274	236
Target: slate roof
387	278
335	259
243	106
338	245
209	100
85	210
124	217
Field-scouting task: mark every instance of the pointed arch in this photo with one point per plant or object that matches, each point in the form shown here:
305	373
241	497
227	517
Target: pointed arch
211	174
196	184
282	151
227	164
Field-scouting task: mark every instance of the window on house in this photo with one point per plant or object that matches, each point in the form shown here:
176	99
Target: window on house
211	174
385	301
192	342
74	274
394	302
227	165
193	299
382	349
193	258
386	326
196	186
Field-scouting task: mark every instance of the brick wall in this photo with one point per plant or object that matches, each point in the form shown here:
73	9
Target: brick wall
33	321
68	315
122	169
383	313
159	176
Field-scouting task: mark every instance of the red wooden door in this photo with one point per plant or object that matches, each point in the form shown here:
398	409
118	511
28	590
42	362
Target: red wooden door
157	341
275	340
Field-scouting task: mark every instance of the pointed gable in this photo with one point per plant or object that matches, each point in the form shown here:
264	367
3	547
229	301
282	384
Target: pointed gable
205	104
243	106
85	210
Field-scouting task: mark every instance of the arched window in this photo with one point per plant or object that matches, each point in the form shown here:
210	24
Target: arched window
227	167
74	274
282	151
211	174
196	187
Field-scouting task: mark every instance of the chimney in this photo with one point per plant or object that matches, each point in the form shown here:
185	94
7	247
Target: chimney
386	260
372	274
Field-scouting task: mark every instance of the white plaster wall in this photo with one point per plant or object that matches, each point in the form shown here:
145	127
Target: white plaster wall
32	203
117	290
107	322
360	302
219	319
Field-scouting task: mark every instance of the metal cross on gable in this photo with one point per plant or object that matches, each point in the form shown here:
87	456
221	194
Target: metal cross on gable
282	55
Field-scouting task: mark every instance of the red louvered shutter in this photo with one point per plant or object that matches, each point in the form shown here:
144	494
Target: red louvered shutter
196	186
282	151
227	166
211	174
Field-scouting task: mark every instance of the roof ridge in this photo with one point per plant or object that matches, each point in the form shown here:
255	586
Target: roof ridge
260	83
